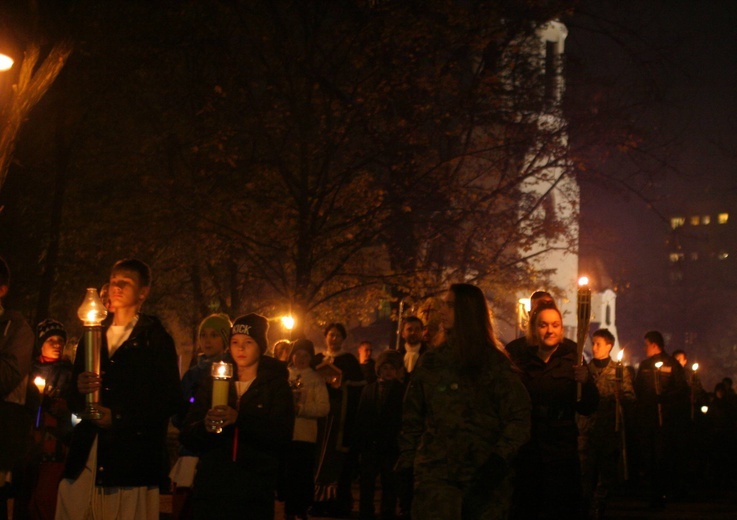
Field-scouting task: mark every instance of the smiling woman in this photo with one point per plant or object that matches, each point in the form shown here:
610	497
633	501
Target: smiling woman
548	470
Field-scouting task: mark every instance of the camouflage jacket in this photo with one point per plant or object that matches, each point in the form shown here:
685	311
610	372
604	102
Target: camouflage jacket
451	426
603	421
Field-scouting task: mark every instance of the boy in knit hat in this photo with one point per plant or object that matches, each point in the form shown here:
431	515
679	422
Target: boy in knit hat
240	443
50	384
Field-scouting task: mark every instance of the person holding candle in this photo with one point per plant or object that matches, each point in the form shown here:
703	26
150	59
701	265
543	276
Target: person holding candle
339	463
600	434
311	402
115	465
240	443
50	384
548	481
662	416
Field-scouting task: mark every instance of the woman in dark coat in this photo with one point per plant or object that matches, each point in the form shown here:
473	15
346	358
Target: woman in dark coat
548	483
337	463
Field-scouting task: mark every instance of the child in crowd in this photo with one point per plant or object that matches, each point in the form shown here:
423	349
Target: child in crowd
310	402
49	385
378	422
240	443
212	342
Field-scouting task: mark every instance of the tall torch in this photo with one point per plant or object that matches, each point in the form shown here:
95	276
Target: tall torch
92	312
619	420
584	317
694	382
656	375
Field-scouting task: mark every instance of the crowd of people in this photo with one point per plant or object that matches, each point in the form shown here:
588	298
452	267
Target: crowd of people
452	424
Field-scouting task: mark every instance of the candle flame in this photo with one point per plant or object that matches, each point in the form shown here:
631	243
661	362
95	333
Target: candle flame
620	354
221	370
40	383
658	365
584	280
695	367
704	409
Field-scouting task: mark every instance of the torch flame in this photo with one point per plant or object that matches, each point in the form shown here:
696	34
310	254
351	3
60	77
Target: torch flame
620	354
695	367
584	280
658	365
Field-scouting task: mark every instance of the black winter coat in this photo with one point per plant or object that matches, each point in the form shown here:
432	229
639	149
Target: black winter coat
264	430
379	420
140	385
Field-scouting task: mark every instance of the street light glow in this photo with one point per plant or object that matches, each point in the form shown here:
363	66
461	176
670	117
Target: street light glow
287	322
6	62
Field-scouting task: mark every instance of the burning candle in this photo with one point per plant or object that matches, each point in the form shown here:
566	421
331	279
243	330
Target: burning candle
40	383
221	373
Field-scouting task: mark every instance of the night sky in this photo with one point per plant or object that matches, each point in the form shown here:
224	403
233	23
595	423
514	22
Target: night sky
686	52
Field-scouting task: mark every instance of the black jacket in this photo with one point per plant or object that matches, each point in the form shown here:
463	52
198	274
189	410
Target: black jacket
264	428
552	389
379	418
140	385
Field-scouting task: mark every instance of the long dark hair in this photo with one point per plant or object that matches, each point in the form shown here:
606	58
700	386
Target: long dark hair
472	337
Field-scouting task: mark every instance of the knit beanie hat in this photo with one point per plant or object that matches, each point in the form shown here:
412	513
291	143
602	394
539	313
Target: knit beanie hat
219	322
253	325
303	344
48	328
391	357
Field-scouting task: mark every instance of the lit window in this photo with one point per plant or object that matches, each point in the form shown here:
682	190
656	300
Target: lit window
723	218
694	256
676	222
675	257
694	220
706	220
723	255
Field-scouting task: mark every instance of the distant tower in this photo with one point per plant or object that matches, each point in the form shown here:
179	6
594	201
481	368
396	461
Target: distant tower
553	183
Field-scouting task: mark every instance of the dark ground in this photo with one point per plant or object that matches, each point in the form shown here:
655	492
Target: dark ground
707	505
